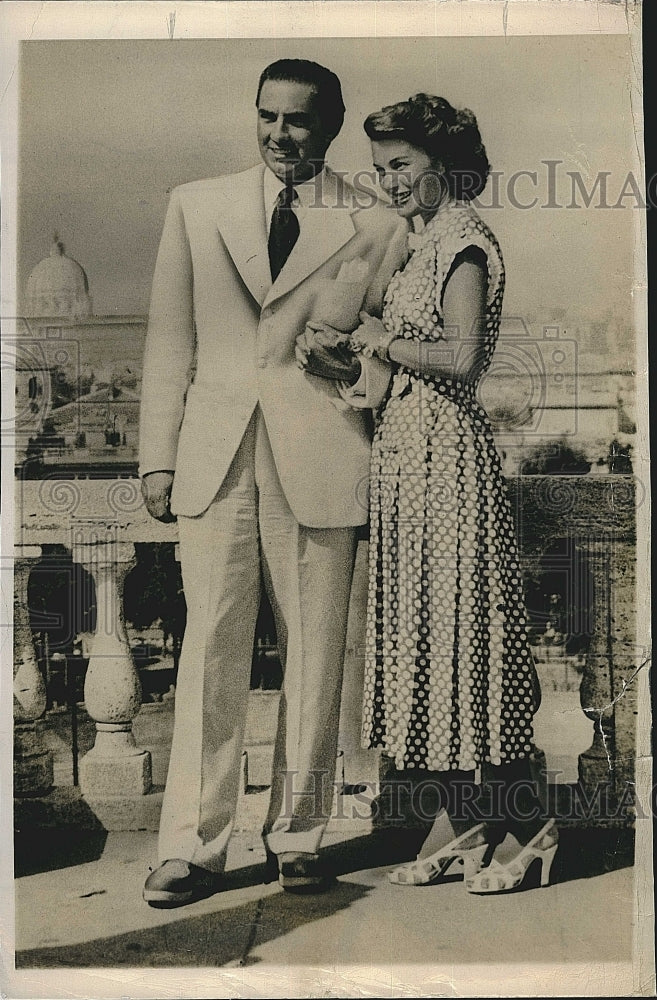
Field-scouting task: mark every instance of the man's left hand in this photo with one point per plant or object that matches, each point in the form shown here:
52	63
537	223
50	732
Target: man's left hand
321	350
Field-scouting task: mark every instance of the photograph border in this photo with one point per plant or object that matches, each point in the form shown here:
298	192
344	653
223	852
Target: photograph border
337	18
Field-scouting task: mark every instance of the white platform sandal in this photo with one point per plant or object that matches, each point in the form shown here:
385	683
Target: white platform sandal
464	856
497	878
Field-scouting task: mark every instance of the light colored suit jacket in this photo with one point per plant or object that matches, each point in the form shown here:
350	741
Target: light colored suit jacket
221	340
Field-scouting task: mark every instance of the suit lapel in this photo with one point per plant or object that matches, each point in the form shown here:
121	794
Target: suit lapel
325	230
241	222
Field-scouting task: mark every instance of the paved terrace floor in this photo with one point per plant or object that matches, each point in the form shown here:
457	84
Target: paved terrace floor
78	908
86	912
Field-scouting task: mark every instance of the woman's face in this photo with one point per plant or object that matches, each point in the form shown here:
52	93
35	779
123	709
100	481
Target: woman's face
415	184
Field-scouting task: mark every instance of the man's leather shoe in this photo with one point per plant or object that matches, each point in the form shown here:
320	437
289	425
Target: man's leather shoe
303	873
177	882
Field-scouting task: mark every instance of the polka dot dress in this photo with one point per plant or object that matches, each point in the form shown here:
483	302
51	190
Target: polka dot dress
450	681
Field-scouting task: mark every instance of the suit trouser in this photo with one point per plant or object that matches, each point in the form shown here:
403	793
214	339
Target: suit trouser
249	530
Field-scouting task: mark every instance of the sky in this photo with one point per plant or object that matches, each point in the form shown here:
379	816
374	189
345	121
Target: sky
107	128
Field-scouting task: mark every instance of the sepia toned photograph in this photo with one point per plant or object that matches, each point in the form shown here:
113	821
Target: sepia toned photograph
325	501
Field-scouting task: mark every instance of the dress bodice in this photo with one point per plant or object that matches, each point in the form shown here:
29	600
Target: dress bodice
413	302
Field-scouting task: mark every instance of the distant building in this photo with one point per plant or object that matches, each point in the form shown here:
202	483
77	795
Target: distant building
599	411
78	376
57	286
78	383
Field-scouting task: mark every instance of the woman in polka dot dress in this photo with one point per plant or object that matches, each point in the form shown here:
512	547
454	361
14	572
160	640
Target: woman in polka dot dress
450	683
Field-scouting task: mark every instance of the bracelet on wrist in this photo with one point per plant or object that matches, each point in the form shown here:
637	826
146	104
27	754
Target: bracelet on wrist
382	349
377	350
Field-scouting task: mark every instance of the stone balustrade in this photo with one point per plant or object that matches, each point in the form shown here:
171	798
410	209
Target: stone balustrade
100	521
598	516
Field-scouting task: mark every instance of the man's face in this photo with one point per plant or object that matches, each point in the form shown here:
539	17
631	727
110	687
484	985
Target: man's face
291	136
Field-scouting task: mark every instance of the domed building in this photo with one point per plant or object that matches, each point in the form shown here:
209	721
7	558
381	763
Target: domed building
78	376
58	287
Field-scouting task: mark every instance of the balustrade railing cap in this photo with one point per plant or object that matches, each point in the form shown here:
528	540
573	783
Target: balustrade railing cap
54	510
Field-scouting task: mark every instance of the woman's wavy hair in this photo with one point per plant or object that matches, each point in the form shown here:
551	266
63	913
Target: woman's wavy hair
450	137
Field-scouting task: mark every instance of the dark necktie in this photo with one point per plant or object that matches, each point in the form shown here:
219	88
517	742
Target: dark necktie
283	232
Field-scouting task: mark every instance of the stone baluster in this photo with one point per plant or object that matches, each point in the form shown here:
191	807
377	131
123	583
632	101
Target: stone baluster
596	697
115	766
604	695
33	763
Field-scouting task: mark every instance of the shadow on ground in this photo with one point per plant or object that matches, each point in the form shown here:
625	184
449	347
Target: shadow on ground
586	853
224	937
44	850
212	933
582	853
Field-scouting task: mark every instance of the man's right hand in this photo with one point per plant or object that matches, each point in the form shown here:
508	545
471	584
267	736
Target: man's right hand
156	491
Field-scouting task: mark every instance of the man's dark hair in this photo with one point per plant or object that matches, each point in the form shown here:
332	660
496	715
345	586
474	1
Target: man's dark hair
330	106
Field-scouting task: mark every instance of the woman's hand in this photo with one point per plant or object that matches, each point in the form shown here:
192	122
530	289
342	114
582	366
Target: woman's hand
368	335
326	352
371	339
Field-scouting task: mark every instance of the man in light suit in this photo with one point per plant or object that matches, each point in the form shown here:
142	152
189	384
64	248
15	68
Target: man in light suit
264	466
